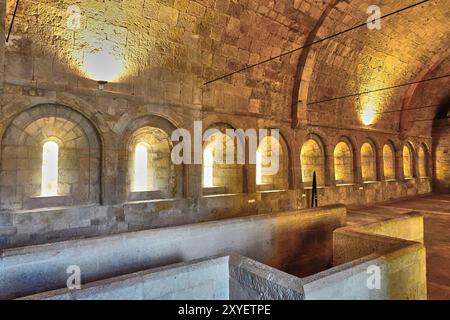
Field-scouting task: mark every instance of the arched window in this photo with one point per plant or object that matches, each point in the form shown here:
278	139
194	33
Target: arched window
343	163
258	168
49	180
141	168
388	162
272	164
312	160
407	162
368	163
208	167
422	162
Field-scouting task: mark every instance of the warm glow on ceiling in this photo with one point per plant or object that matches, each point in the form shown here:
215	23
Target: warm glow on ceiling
103	65
368	113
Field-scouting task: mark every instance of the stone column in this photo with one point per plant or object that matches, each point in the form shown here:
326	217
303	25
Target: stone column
329	166
357	171
249	171
2	43
380	165
399	165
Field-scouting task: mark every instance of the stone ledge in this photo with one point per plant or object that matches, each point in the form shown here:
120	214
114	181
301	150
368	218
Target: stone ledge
47	202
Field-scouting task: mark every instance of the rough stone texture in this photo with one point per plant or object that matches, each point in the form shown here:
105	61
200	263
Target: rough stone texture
442	156
435	209
215	278
189	42
394	245
298	242
401	263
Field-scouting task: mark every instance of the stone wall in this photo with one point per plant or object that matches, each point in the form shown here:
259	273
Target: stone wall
162	86
297	242
441	154
394	246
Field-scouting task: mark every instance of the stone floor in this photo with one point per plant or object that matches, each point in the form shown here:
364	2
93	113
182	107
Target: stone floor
436	211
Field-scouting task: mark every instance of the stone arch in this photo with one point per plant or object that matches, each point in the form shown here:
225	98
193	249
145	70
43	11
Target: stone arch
312	158
368	154
80	154
226	177
408	160
389	160
164	179
344	162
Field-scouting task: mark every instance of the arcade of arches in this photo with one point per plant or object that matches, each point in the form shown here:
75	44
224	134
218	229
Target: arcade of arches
77	160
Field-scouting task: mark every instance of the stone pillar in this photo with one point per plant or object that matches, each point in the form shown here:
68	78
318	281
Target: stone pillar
399	165
193	181
329	166
109	176
249	171
357	171
380	165
296	168
2	43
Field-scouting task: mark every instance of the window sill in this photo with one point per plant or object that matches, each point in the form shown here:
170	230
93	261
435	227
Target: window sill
265	187
344	184
146	195
38	202
209	191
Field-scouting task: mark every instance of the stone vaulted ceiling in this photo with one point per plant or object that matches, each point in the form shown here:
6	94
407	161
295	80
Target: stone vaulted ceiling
166	49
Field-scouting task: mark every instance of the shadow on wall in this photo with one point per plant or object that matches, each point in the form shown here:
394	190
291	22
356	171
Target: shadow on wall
441	147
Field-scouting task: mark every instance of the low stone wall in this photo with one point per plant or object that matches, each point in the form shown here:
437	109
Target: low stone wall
204	279
298	242
358	250
215	278
401	263
27	227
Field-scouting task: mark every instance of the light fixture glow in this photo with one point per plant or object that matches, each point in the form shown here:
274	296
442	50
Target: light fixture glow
49	179
103	66
368	114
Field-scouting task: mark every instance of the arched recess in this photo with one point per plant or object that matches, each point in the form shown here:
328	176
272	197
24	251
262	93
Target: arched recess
312	158
408	161
274	163
343	162
223	169
368	161
148	139
389	161
79	158
423	161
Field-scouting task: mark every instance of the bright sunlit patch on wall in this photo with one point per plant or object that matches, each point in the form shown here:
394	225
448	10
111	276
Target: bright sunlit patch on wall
141	168
368	113
103	65
208	168
49	182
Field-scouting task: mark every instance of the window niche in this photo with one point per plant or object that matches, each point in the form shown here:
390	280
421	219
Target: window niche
272	164
50	157
343	164
423	161
388	162
220	177
152	175
408	167
312	160
368	163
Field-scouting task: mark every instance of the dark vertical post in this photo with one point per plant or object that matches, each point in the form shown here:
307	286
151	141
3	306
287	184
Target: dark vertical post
314	191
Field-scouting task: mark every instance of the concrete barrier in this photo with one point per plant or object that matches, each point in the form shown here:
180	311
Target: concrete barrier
298	242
